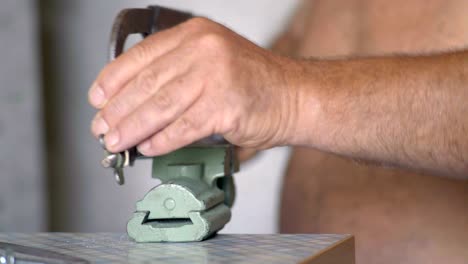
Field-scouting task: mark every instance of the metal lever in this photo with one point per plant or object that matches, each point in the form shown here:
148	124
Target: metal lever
144	21
117	161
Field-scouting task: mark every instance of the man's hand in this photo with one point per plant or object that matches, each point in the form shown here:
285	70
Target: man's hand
200	78
189	82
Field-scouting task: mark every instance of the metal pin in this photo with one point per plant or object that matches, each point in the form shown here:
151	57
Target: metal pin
110	161
119	177
102	142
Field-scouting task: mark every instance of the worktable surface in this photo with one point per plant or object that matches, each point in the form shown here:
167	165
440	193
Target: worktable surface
118	248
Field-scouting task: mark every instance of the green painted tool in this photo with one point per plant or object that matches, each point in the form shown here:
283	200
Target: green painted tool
192	202
197	189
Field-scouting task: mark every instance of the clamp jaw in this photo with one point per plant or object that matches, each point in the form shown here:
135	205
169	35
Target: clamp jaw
192	202
197	189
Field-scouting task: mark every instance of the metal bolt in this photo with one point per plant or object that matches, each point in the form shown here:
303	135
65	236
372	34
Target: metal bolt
109	161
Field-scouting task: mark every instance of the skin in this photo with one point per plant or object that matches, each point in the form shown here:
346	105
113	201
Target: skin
218	89
397	216
406	111
375	117
315	103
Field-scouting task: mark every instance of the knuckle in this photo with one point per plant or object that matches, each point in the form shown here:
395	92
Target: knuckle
212	41
142	50
216	53
163	137
229	122
185	124
113	110
197	23
137	122
163	100
232	126
146	82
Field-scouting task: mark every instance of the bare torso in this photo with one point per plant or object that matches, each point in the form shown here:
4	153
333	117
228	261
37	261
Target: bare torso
397	216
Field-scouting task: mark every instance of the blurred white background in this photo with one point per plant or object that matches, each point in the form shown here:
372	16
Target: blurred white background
83	196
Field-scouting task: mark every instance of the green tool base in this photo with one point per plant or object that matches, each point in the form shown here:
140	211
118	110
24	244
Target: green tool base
175	212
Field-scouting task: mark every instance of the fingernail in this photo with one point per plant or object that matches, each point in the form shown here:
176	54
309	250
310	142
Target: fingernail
112	138
100	125
96	95
145	146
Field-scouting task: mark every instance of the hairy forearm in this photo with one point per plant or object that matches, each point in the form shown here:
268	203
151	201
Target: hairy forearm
404	111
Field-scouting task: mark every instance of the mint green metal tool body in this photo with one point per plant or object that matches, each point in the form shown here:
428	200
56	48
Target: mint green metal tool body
192	202
197	189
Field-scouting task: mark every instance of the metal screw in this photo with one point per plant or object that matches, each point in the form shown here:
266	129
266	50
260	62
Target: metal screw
109	161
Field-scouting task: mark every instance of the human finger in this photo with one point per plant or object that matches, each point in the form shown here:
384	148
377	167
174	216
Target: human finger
188	128
156	113
117	73
139	90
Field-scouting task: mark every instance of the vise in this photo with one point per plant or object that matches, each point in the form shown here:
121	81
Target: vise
197	189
